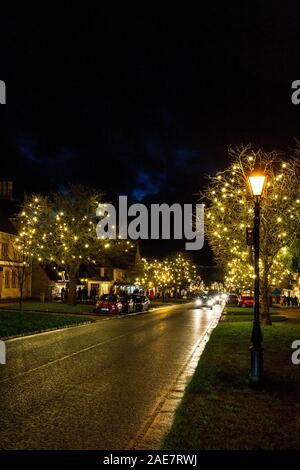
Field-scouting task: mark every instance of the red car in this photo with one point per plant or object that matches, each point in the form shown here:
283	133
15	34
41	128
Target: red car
109	303
246	301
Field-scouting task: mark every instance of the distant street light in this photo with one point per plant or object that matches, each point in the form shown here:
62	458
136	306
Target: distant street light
257	183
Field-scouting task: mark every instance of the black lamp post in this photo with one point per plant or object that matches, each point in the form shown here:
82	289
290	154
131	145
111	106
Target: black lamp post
257	183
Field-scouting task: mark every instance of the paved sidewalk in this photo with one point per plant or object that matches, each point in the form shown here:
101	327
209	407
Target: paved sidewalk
292	313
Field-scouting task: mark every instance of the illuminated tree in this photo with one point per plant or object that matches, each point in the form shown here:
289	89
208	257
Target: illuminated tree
183	271
176	272
27	246
155	273
230	212
239	274
281	270
197	284
65	232
294	255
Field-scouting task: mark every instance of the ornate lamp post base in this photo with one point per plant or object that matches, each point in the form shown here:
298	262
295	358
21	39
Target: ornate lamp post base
256	372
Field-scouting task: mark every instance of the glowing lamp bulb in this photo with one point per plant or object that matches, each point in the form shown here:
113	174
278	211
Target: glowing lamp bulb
257	183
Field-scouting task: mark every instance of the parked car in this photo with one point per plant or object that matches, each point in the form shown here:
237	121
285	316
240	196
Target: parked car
109	303
127	303
246	301
205	300
141	302
232	299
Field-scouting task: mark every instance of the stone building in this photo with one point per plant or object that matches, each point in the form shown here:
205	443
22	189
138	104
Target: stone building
9	266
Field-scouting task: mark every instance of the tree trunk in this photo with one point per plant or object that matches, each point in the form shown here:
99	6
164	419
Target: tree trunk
265	299
21	301
72	297
72	294
21	284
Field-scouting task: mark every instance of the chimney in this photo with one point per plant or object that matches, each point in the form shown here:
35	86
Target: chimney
6	190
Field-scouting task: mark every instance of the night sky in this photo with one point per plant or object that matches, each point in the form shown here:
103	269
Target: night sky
143	103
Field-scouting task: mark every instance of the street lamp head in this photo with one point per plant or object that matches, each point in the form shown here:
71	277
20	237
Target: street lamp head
257	183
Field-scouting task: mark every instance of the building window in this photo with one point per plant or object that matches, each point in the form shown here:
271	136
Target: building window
4	250
14	279
6	278
6	188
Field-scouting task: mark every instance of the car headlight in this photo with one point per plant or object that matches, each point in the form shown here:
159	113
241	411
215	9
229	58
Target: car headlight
198	302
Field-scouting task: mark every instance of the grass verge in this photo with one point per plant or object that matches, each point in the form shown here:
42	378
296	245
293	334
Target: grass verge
247	311
56	307
170	301
59	307
221	410
17	323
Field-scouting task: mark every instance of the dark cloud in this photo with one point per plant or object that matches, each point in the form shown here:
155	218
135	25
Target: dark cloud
146	185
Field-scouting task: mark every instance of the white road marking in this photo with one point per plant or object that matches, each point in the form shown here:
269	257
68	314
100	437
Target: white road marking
76	353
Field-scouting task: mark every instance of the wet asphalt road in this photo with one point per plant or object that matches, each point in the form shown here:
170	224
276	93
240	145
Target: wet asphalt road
90	387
